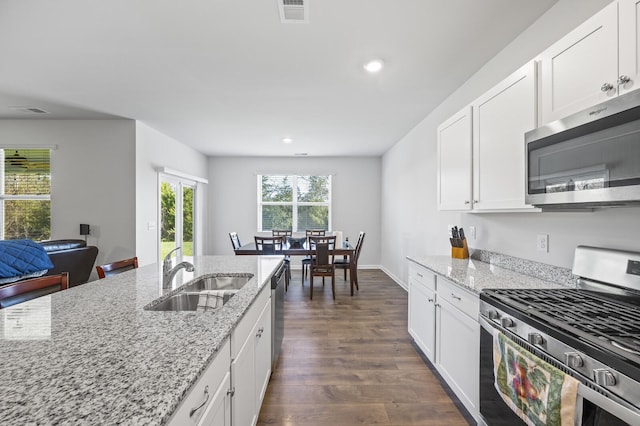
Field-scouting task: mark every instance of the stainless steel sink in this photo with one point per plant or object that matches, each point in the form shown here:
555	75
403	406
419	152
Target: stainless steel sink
218	282
177	302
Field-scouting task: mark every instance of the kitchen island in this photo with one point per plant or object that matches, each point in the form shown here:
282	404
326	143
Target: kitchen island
93	355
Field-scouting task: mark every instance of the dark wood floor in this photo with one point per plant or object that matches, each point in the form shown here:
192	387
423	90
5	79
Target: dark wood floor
351	361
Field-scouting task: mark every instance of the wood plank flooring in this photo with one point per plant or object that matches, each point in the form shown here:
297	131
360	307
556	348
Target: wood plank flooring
351	361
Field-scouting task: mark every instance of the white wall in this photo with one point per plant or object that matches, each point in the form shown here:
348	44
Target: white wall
233	202
92	174
411	222
154	150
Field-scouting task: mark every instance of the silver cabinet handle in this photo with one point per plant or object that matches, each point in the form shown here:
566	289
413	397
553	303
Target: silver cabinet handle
606	87
476	201
429	300
456	297
206	393
623	79
231	392
419	274
466	202
260	331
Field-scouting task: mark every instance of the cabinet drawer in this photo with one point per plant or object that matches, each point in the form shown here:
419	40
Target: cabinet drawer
248	321
467	302
211	379
422	277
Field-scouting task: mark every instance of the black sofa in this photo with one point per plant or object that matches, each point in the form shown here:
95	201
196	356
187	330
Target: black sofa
72	256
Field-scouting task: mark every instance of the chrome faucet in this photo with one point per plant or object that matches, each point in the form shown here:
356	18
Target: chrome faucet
168	272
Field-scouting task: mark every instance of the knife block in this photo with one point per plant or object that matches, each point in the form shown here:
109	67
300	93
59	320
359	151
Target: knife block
460	252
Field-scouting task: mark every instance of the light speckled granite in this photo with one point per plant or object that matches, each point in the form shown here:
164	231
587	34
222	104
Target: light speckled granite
476	275
92	355
543	271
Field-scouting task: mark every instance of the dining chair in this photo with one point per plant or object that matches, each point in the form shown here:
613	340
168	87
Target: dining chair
272	245
285	234
306	261
322	262
114	268
235	240
346	263
24	290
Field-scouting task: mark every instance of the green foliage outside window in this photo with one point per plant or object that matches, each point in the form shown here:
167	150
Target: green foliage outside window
27	172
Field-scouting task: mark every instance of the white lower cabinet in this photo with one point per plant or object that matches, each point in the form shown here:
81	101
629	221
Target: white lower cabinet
231	390
208	401
443	323
458	352
251	361
422	310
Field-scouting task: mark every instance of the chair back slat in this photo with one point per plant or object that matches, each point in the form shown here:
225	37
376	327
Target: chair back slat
235	240
359	246
281	232
24	290
315	232
268	245
324	247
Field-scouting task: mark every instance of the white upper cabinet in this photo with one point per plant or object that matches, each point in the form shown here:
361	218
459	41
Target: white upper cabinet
500	118
454	162
629	45
596	61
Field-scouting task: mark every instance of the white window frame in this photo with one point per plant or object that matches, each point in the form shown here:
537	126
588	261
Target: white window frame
8	197
294	203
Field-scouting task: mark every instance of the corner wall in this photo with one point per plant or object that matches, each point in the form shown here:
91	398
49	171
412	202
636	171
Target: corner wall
411	222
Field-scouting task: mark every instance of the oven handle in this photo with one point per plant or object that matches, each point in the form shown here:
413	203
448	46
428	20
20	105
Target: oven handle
627	414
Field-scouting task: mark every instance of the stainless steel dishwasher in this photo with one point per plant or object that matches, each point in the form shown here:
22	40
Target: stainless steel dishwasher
277	313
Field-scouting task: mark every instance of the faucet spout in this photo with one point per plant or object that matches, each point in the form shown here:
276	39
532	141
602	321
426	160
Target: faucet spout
168	273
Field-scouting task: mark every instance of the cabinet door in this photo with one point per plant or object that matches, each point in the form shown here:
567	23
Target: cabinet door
458	352
263	354
218	412
575	68
454	162
422	317
500	119
629	45
243	378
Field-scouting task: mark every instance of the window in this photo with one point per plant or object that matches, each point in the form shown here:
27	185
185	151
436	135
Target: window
25	194
294	202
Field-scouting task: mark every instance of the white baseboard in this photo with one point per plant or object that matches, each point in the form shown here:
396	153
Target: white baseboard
393	277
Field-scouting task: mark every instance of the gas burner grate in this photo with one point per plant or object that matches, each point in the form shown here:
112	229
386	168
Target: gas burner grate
591	314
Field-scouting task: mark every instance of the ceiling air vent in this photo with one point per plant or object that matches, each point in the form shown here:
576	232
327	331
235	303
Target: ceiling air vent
296	11
29	110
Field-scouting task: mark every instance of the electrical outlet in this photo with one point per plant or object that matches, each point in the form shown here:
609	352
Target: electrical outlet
543	243
472	232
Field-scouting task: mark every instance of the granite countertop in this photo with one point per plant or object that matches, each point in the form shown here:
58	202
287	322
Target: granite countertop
92	355
475	275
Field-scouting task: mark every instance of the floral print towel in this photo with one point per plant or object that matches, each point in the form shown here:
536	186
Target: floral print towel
536	391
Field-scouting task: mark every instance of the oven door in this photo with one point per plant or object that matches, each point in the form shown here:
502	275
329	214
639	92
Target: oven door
594	409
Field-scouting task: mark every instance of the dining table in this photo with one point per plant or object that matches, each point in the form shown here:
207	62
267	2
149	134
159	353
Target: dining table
345	249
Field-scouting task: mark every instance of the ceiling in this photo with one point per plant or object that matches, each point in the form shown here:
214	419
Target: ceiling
229	78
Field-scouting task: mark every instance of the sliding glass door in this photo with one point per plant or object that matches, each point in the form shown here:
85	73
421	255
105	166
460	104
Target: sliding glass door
177	215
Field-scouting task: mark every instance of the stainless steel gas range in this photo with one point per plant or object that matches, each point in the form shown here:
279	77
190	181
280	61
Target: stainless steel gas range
591	333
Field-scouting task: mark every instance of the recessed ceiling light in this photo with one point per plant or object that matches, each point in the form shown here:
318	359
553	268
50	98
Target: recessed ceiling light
287	140
374	65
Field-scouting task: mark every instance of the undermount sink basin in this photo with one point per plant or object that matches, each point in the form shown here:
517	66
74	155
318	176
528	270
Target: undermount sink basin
188	296
218	282
177	302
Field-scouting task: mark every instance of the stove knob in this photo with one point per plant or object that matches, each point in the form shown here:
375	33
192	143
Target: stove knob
536	339
604	377
493	314
507	322
573	359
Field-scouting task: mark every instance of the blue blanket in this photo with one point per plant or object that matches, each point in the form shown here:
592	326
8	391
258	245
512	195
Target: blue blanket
20	257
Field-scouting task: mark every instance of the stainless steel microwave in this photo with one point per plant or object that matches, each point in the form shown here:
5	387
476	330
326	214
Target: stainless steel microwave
588	159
